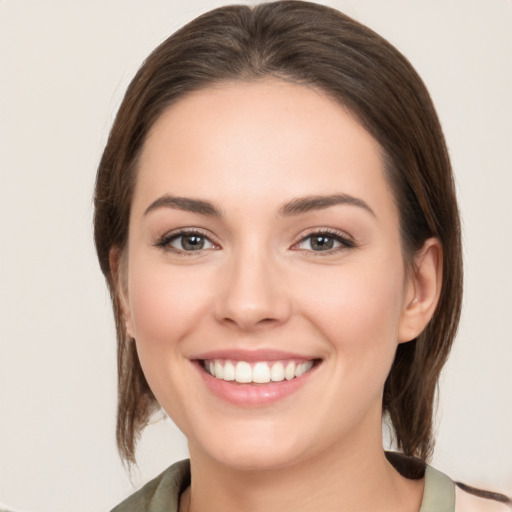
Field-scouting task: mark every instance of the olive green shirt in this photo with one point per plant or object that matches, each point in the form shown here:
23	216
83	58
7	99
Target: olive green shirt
163	493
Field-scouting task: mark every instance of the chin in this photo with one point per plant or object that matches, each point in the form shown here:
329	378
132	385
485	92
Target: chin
256	458
254	450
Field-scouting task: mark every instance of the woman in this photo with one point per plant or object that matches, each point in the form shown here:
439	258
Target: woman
277	223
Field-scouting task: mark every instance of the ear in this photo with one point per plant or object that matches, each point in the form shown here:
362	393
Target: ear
117	262
422	290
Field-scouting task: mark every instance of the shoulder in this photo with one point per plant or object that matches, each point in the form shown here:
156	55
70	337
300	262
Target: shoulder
161	493
442	494
467	501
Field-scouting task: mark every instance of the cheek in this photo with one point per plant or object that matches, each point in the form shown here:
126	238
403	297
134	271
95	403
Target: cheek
359	308
165	302
166	306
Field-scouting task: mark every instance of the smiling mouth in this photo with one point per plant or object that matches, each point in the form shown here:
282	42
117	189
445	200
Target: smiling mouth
257	372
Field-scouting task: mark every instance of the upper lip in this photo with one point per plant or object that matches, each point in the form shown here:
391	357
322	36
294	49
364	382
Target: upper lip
252	355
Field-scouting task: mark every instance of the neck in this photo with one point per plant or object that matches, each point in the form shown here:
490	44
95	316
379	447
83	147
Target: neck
345	478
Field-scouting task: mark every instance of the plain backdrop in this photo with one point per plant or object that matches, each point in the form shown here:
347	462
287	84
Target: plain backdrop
64	66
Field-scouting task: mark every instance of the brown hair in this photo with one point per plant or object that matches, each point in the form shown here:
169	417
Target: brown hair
316	45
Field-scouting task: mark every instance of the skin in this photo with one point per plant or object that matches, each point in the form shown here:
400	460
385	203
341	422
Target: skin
249	148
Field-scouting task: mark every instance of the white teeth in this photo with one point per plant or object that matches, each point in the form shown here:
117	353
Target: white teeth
308	366
243	372
219	370
260	372
277	372
303	368
289	371
229	371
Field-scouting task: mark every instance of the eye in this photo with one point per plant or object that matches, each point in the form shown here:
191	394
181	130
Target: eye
324	241
186	241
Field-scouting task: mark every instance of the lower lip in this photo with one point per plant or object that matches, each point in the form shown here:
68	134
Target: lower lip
253	395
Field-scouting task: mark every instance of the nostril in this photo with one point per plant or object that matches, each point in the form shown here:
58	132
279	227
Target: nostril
249	318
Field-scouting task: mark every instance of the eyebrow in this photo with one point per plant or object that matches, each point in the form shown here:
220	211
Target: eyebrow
310	203
186	204
296	206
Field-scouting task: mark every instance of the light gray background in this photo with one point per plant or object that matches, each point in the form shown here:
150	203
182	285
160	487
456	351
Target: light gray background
64	67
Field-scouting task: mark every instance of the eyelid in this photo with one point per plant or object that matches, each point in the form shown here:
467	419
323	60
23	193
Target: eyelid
163	242
346	241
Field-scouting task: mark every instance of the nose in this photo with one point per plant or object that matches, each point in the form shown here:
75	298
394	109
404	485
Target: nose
252	294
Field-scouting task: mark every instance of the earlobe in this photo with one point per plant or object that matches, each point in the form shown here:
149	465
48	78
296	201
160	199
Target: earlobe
423	290
118	273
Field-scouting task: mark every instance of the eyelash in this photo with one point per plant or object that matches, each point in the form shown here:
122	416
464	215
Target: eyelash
164	242
344	241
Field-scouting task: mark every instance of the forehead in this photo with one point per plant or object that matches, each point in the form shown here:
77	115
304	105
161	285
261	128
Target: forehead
259	140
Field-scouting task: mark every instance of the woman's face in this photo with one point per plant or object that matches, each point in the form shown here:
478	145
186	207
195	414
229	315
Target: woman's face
263	243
